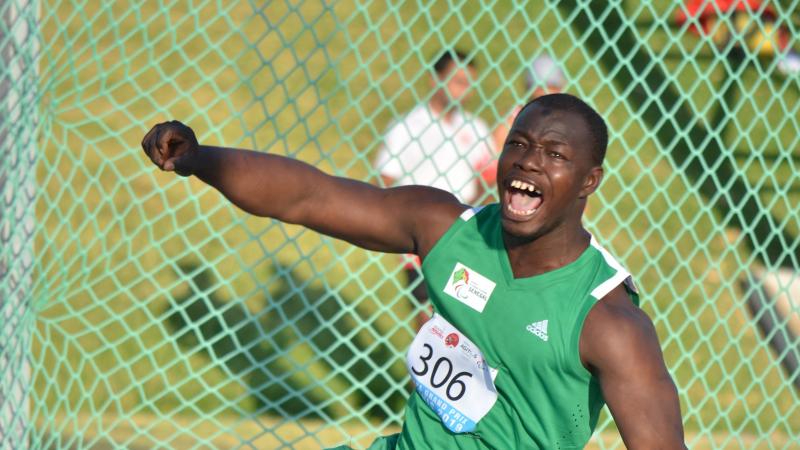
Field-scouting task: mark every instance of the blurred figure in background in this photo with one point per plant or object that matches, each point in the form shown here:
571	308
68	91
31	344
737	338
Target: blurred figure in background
439	144
544	77
752	25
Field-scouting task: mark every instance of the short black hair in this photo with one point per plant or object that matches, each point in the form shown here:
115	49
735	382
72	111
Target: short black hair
442	63
597	126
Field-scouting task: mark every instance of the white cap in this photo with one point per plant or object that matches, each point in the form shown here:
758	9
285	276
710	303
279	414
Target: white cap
545	72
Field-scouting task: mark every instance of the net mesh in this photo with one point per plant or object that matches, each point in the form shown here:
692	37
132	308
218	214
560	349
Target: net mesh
140	310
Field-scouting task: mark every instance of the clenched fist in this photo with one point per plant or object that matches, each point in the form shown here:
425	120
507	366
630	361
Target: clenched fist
171	146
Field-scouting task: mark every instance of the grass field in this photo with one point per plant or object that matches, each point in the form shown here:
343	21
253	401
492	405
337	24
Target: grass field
119	244
266	433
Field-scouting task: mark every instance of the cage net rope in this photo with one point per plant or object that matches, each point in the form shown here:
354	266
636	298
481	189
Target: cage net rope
141	310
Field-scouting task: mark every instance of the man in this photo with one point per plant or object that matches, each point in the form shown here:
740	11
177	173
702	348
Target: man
535	325
439	144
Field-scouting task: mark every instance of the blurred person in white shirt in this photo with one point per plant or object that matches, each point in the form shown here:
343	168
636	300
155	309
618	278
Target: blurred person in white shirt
440	144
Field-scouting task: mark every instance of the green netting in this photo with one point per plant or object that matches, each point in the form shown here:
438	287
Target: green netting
140	310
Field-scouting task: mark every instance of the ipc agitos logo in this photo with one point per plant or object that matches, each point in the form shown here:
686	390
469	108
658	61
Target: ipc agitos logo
460	282
469	287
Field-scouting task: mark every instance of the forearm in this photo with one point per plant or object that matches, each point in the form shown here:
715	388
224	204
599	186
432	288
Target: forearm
295	192
259	183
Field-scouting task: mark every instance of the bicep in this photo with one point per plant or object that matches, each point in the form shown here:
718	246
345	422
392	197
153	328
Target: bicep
405	219
620	346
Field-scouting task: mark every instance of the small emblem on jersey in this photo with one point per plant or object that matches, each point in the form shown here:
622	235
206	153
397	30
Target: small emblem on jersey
451	340
469	287
539	329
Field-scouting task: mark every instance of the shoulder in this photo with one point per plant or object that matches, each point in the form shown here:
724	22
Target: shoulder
616	310
612	276
616	330
435	210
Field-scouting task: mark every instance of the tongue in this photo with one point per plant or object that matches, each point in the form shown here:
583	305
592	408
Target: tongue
523	202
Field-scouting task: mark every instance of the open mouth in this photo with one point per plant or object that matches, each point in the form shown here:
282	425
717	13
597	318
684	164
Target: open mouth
522	198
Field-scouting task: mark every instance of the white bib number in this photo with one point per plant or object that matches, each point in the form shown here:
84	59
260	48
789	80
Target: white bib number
451	375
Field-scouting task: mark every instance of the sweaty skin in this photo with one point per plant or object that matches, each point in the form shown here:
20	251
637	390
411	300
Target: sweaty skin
547	151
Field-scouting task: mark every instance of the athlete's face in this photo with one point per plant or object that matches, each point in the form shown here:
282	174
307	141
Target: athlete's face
545	171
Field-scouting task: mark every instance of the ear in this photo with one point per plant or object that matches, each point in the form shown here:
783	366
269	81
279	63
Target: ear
592	181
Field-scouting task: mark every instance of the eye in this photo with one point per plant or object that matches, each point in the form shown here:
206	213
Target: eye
514	143
553	150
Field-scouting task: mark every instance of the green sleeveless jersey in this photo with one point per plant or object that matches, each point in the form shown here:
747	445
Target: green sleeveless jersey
528	332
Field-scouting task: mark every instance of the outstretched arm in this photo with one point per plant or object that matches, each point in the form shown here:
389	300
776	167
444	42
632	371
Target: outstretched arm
619	345
405	219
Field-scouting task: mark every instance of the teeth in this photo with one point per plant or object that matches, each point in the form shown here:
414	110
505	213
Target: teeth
518	184
522	213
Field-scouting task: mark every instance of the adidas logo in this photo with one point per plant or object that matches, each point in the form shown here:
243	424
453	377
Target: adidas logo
539	329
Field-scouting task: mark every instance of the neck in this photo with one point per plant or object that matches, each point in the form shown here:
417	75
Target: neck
550	251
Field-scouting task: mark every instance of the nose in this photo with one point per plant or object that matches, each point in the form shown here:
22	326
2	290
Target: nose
531	160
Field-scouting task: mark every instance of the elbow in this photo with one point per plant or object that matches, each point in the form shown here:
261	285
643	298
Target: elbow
298	212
